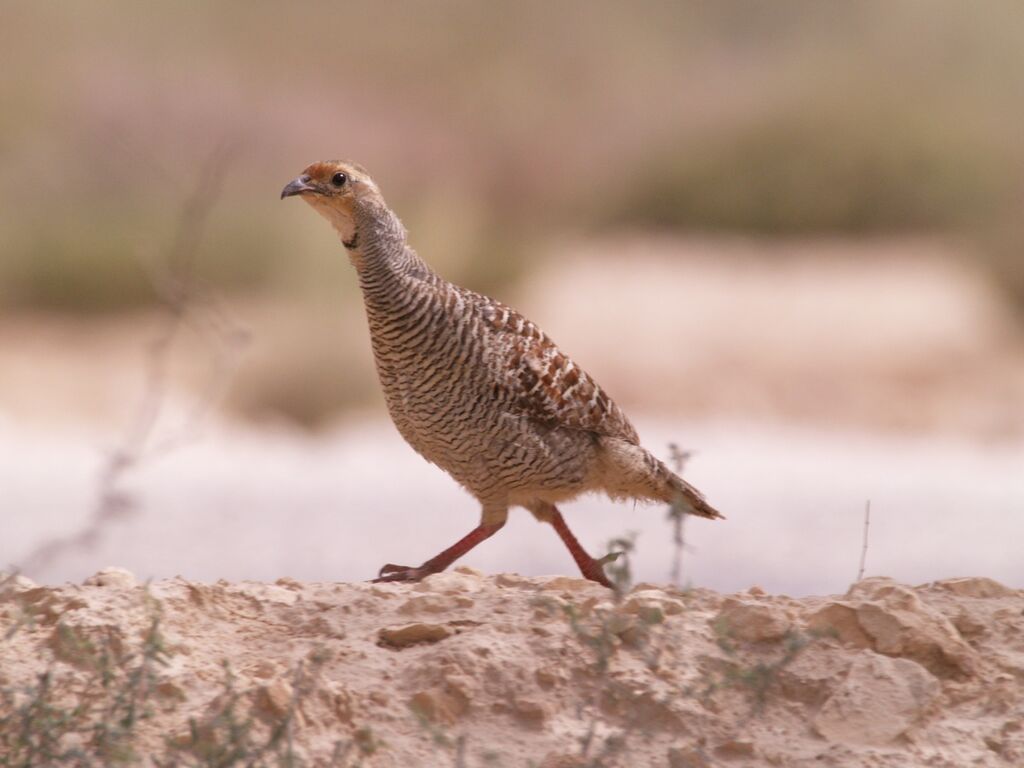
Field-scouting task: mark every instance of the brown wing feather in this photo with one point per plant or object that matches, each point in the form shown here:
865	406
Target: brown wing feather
546	383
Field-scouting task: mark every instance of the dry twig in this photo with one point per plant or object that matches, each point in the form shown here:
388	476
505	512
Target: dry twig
678	517
173	278
864	542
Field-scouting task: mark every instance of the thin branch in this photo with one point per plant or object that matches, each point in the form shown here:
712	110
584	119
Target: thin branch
678	517
864	542
174	281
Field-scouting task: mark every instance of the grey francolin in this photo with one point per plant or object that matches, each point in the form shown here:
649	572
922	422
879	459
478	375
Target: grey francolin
479	390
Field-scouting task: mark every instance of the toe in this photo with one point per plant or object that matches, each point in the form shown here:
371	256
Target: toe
392	568
397	573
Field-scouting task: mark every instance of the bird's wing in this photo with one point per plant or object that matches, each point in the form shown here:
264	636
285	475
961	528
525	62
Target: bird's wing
543	382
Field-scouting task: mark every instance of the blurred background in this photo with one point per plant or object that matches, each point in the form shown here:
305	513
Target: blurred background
786	237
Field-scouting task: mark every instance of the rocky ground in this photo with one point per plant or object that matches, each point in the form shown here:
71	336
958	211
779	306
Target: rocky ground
471	670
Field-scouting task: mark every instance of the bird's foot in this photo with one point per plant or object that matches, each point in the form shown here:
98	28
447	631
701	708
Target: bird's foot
594	570
392	572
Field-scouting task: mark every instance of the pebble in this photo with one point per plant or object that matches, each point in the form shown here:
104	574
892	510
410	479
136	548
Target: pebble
894	621
413	634
752	622
878	702
976	587
118	578
274	700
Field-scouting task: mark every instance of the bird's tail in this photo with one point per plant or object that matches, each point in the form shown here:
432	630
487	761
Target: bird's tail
632	472
689	499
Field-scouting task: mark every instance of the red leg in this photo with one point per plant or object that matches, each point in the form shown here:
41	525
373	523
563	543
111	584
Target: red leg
391	572
589	567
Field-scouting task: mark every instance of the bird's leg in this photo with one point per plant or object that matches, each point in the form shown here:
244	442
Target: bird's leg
489	525
590	568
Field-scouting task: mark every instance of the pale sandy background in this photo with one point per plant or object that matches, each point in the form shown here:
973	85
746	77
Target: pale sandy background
782	443
786	237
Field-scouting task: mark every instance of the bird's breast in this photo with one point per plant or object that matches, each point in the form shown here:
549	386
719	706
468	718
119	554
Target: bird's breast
430	362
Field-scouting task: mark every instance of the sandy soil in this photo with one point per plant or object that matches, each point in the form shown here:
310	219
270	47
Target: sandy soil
473	670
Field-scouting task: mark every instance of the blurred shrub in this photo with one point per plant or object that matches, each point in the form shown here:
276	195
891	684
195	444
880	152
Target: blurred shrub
105	264
1002	251
310	361
825	167
78	266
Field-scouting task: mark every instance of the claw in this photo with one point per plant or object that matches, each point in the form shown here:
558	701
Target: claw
594	570
392	572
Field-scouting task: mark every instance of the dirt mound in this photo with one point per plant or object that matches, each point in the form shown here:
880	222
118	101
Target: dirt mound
471	670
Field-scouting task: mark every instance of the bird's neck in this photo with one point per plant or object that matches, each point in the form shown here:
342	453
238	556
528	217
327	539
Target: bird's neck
374	237
386	265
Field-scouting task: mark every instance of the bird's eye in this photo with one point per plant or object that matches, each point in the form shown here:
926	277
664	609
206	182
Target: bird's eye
339	179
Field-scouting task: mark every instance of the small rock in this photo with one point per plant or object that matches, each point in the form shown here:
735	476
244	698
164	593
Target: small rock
46	605
635	635
620	623
894	621
878	702
752	622
118	578
267	593
365	740
976	587
171	691
969	625
263	670
434	603
688	757
443	707
461	687
647	586
339	702
546	678
12	583
735	748
879	588
839	620
562	760
411	634
274	700
566	583
530	712
925	636
813	675
511	580
649	609
450	583
469	571
322	626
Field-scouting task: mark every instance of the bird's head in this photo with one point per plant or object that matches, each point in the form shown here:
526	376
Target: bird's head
339	191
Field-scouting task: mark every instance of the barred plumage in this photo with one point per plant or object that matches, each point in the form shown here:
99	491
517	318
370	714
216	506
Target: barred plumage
478	389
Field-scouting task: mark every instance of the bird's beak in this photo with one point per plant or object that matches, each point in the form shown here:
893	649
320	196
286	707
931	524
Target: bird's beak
297	187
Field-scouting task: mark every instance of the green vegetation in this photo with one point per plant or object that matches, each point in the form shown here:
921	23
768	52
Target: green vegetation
88	720
759	678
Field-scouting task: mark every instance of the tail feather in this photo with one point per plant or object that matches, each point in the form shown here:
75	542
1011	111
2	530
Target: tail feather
690	499
632	472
